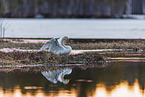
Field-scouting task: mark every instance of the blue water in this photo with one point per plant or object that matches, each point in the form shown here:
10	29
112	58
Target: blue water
76	28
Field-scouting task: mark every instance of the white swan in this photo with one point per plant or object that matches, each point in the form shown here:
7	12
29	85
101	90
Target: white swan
56	46
57	75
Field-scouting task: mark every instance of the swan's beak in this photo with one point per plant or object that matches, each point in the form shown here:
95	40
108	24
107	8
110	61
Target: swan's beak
67	38
68	80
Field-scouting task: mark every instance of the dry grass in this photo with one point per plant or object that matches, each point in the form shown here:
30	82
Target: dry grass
21	45
51	67
47	58
122	44
136	44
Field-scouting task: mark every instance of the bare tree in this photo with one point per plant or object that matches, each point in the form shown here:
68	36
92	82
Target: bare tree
3	27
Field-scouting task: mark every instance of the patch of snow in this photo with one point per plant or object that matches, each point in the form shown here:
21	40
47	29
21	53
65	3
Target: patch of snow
96	50
34	41
134	16
73	52
15	49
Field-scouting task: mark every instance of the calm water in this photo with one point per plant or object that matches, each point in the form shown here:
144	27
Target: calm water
115	80
76	28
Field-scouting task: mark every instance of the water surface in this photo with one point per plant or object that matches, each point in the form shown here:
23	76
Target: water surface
76	28
115	80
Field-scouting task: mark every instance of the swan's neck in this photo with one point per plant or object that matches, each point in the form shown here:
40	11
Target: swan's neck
62	42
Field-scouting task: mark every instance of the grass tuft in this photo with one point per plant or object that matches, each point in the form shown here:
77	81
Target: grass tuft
48	58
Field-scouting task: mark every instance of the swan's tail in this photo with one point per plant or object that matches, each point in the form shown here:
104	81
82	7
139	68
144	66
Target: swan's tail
43	47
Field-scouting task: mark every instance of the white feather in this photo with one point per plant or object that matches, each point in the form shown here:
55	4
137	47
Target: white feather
56	46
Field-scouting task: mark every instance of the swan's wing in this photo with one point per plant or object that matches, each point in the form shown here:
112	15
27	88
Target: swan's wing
59	40
47	44
56	47
63	49
50	76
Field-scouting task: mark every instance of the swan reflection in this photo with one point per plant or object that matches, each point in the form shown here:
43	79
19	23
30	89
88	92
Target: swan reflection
57	75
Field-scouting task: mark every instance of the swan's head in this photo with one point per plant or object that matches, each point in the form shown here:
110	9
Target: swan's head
65	38
61	39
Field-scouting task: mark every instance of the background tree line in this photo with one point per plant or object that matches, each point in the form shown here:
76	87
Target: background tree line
65	8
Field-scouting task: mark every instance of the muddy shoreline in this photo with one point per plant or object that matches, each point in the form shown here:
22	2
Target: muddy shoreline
26	51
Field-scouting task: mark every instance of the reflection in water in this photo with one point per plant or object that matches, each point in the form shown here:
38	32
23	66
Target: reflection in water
57	75
116	80
39	93
121	90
